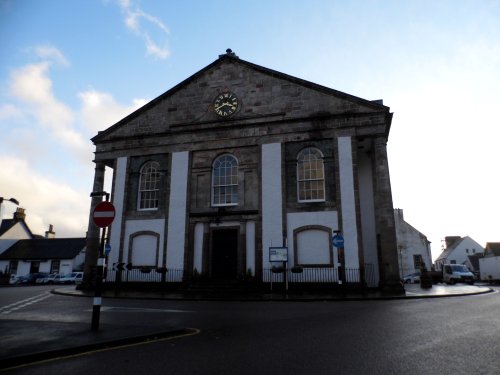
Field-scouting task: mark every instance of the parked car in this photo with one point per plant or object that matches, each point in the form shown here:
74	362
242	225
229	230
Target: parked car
70	278
14	279
30	278
412	278
49	279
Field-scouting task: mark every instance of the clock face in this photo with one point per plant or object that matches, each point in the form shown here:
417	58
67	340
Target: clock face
225	104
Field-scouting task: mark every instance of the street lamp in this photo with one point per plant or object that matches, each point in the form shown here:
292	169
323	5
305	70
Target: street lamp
13	200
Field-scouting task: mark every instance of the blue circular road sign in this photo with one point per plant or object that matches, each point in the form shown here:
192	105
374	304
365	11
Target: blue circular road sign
338	241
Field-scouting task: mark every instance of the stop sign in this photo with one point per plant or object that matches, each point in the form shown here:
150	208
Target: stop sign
104	214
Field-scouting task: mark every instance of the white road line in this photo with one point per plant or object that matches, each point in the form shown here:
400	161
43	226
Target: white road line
24	303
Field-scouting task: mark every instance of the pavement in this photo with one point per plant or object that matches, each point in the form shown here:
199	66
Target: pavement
26	343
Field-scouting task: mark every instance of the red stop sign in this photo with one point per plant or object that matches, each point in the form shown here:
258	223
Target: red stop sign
104	214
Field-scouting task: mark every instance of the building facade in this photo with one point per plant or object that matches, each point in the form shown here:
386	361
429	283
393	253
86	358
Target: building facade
238	160
457	251
413	246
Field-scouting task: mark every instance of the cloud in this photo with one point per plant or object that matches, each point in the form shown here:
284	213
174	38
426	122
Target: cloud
51	53
32	86
10	112
100	110
133	17
46	199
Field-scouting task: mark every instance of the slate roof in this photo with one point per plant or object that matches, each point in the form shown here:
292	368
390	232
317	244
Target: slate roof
7	224
39	249
492	248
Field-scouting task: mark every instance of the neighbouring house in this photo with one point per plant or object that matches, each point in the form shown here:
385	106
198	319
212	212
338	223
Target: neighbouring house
22	252
58	255
489	264
413	247
12	230
239	167
457	251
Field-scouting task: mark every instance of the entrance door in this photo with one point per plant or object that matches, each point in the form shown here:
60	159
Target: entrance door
34	267
225	253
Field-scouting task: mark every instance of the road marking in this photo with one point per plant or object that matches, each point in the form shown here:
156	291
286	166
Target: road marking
140	309
4	310
149	340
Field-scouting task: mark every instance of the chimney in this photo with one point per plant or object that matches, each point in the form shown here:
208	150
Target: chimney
450	240
399	213
50	233
19	215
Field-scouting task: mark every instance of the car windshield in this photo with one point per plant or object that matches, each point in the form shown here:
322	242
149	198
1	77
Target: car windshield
459	268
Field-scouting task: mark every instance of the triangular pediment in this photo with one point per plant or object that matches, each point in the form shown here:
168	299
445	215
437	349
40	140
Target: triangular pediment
262	94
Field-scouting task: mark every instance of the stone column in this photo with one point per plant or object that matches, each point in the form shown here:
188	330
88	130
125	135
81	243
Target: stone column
384	217
92	246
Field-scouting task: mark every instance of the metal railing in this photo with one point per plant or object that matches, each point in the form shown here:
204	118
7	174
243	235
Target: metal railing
145	275
318	275
295	275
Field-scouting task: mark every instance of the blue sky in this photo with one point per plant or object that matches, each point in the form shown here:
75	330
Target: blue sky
71	68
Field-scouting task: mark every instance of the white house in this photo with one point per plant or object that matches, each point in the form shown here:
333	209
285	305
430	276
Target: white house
58	255
457	251
238	160
12	230
413	247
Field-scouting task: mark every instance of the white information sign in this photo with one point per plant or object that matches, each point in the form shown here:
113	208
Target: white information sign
278	254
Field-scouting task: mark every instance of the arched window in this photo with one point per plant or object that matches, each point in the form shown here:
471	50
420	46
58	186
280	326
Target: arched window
149	186
225	181
310	175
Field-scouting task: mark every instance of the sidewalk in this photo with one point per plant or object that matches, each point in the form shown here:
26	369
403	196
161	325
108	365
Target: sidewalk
412	291
27	342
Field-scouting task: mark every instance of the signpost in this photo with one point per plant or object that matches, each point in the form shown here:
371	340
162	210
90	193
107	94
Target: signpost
338	242
279	254
102	216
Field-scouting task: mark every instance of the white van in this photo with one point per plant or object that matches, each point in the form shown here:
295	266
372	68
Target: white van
456	273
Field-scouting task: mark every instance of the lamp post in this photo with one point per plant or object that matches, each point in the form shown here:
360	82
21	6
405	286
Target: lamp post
13	200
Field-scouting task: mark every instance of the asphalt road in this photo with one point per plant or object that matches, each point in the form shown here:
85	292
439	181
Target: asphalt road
459	335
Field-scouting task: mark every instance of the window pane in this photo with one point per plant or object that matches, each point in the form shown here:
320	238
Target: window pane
149	185
310	175
225	181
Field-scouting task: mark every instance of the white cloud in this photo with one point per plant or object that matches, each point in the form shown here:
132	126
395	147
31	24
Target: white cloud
100	110
10	112
47	200
51	53
153	25
32	86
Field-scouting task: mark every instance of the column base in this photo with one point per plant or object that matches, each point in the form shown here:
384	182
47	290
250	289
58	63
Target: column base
392	287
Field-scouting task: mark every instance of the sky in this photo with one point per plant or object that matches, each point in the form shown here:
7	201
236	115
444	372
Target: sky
69	69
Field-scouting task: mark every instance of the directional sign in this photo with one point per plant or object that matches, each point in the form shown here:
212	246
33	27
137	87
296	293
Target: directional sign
104	214
338	241
107	249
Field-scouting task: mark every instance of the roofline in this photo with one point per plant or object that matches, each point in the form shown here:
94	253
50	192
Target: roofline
264	70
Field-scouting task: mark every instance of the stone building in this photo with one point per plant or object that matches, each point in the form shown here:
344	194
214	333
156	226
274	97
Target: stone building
413	246
239	159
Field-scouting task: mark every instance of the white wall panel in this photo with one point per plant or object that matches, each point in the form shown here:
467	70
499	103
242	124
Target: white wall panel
177	212
272	217
118	201
348	202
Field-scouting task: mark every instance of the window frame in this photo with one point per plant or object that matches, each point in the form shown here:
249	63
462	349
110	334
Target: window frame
233	186
418	261
156	187
300	162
